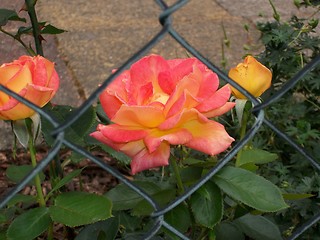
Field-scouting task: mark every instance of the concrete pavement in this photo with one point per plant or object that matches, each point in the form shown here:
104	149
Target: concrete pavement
102	34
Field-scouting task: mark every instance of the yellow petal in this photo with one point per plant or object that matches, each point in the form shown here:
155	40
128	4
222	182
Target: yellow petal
252	76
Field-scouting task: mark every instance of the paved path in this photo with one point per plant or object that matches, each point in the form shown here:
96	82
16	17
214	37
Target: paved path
102	34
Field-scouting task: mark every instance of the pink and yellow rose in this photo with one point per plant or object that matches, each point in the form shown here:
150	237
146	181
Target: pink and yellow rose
33	78
158	103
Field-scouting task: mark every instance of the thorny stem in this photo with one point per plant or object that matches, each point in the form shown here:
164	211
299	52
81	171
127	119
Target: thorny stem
35	25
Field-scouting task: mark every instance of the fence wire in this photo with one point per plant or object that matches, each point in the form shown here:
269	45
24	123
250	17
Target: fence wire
158	214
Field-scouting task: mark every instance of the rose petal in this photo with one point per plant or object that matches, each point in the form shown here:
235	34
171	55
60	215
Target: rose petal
219	111
14	110
209	137
146	160
216	100
178	70
120	134
174	137
139	116
146	71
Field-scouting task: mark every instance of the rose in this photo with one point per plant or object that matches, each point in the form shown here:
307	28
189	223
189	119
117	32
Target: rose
158	103
252	76
33	78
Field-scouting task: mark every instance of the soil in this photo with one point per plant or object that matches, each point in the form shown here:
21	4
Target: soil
93	180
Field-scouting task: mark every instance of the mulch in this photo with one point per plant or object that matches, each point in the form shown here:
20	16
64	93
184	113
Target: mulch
93	178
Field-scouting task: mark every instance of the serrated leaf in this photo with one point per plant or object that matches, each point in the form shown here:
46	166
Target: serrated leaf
80	208
17	173
255	156
258	227
107	228
29	224
120	156
206	204
7	14
251	189
228	231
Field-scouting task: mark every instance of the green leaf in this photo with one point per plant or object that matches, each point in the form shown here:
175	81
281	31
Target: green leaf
77	132
65	180
3	218
189	175
128	222
258	227
179	218
255	156
76	157
120	156
124	198
7	14
49	29
3	235
228	231
162	198
106	230
80	208
20	198
21	132
36	125
29	224
251	189
206	204
296	196
17	173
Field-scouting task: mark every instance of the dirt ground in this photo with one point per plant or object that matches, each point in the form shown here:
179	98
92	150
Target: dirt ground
93	178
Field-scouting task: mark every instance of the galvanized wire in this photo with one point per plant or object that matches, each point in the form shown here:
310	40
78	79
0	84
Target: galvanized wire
158	214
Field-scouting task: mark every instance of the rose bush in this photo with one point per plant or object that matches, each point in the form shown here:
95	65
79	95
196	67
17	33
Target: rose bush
252	76
33	78
160	102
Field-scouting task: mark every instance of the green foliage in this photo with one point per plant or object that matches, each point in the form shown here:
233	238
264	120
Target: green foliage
251	189
30	224
289	46
103	230
9	15
80	208
206	204
76	132
258	227
17	173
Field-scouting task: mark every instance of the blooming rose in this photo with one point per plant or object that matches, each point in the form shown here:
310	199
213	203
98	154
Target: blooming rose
33	78
160	102
252	76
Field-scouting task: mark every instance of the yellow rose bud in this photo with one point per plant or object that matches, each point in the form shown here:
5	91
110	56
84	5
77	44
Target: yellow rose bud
252	76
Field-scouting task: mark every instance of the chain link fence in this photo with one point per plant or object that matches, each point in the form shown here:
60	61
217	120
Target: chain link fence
158	214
